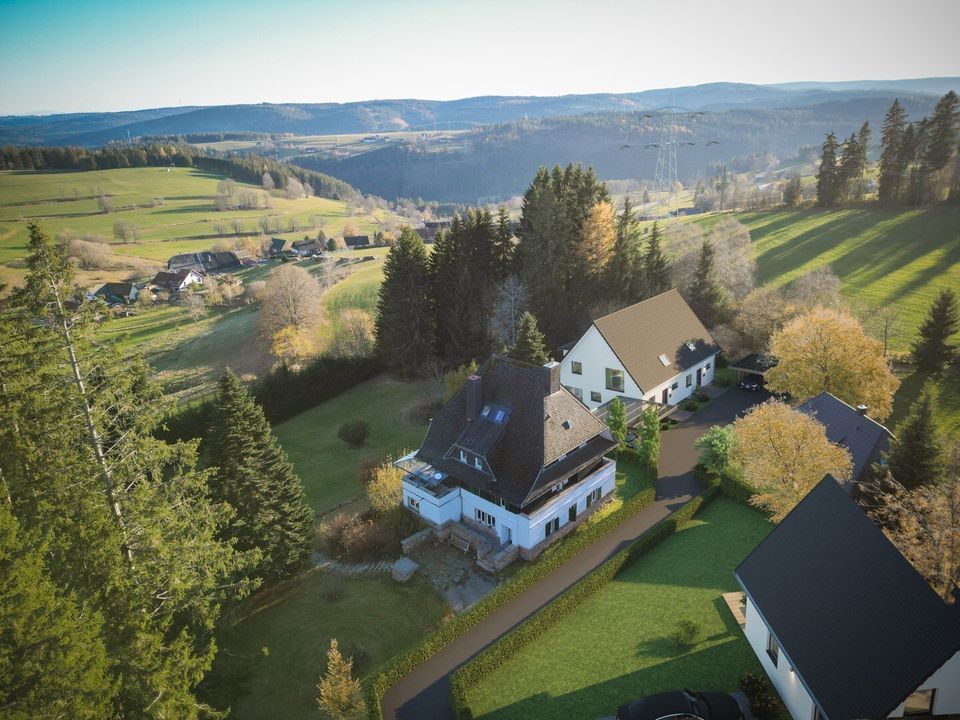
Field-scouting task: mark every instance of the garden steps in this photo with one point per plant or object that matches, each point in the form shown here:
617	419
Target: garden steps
325	562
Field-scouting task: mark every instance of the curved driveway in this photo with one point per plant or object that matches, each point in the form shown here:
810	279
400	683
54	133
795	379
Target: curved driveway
424	694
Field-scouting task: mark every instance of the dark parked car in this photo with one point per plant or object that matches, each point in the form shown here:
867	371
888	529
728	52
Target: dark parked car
682	704
752	383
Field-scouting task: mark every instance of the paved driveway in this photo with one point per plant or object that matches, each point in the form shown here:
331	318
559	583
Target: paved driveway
424	694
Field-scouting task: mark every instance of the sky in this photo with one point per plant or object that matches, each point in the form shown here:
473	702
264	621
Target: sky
78	55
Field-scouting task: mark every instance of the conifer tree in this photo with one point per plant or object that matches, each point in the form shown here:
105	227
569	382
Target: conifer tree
707	296
891	150
828	176
341	696
255	477
941	142
933	350
531	346
503	244
656	269
404	327
917	453
627	280
52	658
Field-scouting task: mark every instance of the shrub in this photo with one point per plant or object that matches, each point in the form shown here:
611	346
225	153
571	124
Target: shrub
764	702
354	433
366	471
385	489
690	405
716	448
687	634
701	396
354	537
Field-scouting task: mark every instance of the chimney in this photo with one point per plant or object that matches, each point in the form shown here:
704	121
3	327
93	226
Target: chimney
862	409
551	377
474	396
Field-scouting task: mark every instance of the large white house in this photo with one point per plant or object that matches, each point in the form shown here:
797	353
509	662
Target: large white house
656	350
513	456
842	624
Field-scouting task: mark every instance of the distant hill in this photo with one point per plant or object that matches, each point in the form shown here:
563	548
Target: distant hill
386	115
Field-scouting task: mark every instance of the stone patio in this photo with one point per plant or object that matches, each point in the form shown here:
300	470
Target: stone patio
454	574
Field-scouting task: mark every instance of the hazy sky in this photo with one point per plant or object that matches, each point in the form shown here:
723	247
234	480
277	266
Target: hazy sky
75	55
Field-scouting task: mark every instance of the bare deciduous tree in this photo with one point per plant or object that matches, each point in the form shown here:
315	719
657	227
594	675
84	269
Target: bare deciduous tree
291	299
820	287
353	337
507	310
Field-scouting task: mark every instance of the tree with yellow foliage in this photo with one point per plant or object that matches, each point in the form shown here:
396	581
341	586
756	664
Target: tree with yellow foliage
783	453
385	489
291	345
827	349
341	696
599	234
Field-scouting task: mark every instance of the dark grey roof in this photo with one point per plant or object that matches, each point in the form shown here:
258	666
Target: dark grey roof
546	435
756	363
356	240
858	624
662	325
115	289
866	439
205	261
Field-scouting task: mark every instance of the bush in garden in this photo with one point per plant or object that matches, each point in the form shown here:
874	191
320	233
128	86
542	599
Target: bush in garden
354	433
687	634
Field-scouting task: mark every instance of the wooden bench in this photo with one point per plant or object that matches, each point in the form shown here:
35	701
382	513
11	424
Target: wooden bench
460	544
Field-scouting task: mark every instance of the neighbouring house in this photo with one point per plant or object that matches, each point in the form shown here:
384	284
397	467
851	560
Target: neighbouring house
205	262
848	426
511	463
842	623
177	281
278	246
306	248
655	352
117	293
356	241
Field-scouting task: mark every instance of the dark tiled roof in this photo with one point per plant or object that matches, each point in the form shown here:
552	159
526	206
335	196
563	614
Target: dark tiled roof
662	325
540	428
859	625
863	437
167	278
115	289
356	240
755	363
205	261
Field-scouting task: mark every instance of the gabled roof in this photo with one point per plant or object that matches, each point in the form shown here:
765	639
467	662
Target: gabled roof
863	437
546	433
355	240
116	289
663	325
861	628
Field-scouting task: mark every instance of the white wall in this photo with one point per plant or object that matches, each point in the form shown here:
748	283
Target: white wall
596	356
946	681
788	685
432	509
529	531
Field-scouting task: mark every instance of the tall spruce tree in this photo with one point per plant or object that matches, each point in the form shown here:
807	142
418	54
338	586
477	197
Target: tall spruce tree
941	142
933	350
404	326
52	659
917	454
828	176
159	578
707	297
531	345
656	269
255	477
503	244
891	152
627	279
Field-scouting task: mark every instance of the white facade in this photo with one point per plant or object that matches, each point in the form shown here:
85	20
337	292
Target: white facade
595	356
519	529
945	682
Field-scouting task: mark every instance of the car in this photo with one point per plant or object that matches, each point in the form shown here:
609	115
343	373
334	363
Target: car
681	704
752	383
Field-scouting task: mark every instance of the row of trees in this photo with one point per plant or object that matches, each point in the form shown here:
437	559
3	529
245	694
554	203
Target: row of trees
119	551
918	160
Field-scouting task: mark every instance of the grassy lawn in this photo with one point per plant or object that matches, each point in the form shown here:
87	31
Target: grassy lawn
884	256
326	465
947	405
269	663
616	646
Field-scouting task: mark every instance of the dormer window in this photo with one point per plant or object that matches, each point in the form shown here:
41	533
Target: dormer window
477	463
486	411
463	456
501	414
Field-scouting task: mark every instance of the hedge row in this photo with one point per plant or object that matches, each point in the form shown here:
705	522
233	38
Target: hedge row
403	664
283	393
729	483
529	630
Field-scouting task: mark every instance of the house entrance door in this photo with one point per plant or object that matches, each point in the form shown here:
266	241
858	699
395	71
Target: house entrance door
666	394
572	513
507	535
699	376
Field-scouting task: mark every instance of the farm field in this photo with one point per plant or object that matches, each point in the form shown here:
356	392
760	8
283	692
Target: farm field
270	660
635	614
173	207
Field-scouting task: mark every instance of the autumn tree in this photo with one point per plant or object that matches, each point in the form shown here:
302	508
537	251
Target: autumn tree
827	350
598	236
291	299
385	489
341	696
531	345
353	335
783	453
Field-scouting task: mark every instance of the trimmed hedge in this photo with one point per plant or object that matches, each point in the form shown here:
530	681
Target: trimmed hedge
283	394
729	484
529	630
399	666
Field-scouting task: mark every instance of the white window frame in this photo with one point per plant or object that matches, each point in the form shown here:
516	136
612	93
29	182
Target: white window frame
485	518
576	367
413	503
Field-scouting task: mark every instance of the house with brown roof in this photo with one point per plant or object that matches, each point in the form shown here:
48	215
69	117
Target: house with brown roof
513	461
656	351
177	281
